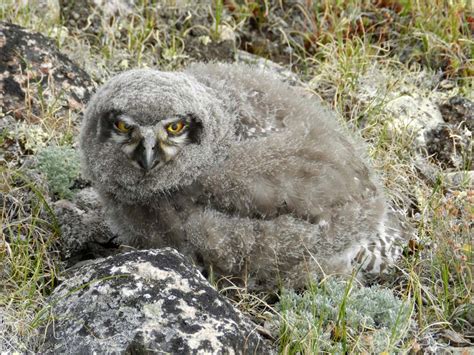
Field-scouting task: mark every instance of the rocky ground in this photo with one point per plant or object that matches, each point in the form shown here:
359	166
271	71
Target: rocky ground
408	95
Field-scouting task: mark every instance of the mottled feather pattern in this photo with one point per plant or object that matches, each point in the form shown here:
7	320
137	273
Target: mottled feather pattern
270	189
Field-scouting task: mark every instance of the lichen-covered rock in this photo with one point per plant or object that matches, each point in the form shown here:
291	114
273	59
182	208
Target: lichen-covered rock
36	77
42	94
414	114
441	123
444	131
150	301
450	143
459	111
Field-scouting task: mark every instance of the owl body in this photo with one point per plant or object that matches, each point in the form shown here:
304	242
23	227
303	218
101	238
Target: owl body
261	183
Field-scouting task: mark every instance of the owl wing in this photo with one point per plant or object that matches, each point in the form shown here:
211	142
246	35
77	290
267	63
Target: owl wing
294	185
294	172
289	154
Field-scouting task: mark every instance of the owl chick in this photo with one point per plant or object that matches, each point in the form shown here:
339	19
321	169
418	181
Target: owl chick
238	171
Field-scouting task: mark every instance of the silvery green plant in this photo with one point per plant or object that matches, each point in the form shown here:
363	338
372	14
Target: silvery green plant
330	316
60	166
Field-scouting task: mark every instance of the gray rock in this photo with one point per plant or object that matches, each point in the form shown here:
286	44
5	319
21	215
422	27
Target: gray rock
458	111
450	143
34	71
414	114
440	123
38	84
150	301
449	146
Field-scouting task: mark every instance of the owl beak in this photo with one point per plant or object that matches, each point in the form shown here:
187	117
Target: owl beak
146	153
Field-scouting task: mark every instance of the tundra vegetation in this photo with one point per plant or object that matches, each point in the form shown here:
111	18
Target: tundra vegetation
361	57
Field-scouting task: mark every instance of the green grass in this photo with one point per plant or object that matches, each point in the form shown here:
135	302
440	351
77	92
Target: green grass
339	48
28	262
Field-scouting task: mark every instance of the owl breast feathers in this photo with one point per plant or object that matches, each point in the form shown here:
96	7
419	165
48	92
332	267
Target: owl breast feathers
238	171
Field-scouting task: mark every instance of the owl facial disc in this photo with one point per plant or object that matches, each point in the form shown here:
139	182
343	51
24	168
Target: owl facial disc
151	146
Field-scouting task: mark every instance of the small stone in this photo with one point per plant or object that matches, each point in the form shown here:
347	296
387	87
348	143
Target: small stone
75	105
205	40
415	115
226	33
45	68
446	84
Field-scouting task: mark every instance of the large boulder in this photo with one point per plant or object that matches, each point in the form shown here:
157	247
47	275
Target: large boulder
150	301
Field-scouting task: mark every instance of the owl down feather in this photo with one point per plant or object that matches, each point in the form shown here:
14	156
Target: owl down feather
240	172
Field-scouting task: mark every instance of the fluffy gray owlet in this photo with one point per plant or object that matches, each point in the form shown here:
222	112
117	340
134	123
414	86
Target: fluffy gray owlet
237	170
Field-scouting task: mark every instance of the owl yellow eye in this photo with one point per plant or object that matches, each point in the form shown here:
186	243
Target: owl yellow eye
122	126
175	127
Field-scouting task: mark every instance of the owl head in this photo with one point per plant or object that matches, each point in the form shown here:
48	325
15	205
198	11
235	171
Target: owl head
147	132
